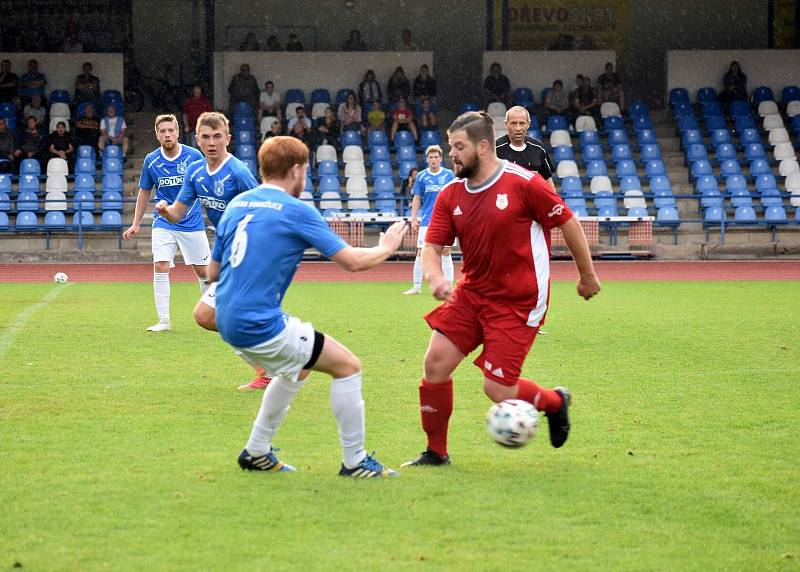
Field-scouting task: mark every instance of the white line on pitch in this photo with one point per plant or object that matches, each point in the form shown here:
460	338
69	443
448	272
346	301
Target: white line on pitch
7	337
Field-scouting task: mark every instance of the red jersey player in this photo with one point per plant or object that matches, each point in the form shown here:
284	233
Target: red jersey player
499	212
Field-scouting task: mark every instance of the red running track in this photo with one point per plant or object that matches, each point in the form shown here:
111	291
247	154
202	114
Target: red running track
401	271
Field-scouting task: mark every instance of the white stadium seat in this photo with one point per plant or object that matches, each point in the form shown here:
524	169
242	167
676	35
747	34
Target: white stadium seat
306	196
353	153
291	109
634	199
783	151
330	200
60	110
57	166
356	186
585	123
266	123
567	168
358	202
61	201
773	122
600	183
610	109
793	183
56	183
497	109
788	166
768	108
354	169
326	153
560	138
319	110
779	135
793	108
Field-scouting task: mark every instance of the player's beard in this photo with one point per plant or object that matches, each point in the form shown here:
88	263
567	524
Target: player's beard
467	170
169	145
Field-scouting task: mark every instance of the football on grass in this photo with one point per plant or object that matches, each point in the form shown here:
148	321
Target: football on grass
512	423
60	277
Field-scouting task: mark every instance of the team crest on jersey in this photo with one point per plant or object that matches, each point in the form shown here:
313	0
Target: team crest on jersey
219	188
502	202
557	210
182	167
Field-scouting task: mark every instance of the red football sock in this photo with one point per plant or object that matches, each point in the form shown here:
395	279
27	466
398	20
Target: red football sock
547	400
435	406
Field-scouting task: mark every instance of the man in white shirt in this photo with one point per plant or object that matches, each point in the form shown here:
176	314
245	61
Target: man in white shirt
269	103
112	130
301	116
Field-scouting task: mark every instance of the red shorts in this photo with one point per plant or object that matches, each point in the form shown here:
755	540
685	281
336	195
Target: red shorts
469	320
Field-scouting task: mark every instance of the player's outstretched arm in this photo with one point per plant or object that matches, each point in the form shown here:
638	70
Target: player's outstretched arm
174	212
141	205
588	283
415	203
355	259
432	271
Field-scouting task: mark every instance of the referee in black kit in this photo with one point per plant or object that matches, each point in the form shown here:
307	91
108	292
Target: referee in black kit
525	151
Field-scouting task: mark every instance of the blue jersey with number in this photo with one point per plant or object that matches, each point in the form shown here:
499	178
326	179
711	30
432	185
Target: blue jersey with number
215	190
167	176
427	186
260	242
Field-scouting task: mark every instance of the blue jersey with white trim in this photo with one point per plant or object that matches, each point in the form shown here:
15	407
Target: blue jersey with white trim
215	190
427	186
261	239
167	176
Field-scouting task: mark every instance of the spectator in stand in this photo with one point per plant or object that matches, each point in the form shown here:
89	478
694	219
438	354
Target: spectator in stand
354	43
9	82
193	107
496	86
369	89
424	84
294	45
269	102
32	145
578	84
328	129
274	44
87	128
407	42
376	118
113	130
72	44
427	118
32	83
398	86
556	102
735	84
59	144
243	87
610	87
87	86
302	132
403	119
274	130
300	117
35	109
585	101
7	148
408	183
350	115
250	43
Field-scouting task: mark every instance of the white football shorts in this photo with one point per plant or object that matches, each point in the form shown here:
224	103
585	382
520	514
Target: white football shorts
286	353
210	296
423	230
193	245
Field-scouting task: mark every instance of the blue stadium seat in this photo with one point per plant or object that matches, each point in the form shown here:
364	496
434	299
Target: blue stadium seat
638	212
320	95
557	122
5	201
470	106
30	167
650	152
716	122
696	152
27	201
563	153
664	199
592	152
790	93
706	94
668	216
523	96
84	166
691	137
112	165
86	152
775	213
765	181
329	183
754	151
352	138
379	153
589	138
612	123
246	152
744	215
720	137
26	219
735	183
642	122
625	169
4	223
621	153
341	95
252	166
111	182
685	122
327	169
714	214
730	167
762	93
534	132
377	138
796	123
759	167
243	124
654	168
309	184
403	139
706	184
245	137
404	167
646	137
60	96
660	184
682	108
406	153
381	169
749	136
430	137
742	122
724	152
638	108
740	107
708	108
294	96
111	218
741	197
678	94
111	201
29	183
617	137
84	219
770	197
54	219
243	109
629	183
83	201
571	186
388	206
384	184
5	182
596	169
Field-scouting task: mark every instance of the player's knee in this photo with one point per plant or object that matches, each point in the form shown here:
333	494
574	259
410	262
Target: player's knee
205	316
497	392
432	368
161	267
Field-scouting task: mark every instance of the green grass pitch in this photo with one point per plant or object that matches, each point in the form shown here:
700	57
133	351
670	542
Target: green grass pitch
118	447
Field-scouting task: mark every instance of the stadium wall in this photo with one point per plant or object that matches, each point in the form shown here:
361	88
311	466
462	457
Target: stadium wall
772	68
538	70
309	70
61	69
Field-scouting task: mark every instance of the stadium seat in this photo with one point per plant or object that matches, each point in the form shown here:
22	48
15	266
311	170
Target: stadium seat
60	110
754	151
556	122
740	107
329	184
571	186
496	108
617	137
646	137
352	138
320	95
326	153
26	219
629	183
377	138
585	123
112	182
592	153
720	137
759	167
762	93
768	108
793	109
741	197
523	96
638	212
625	169
596	169
744	215
682	108
696	152
691	137
787	167
589	138
765	181
27	201
83	219
783	151
327	168
649	152
685	122
716	122
621	153
735	183
30	167
678	94
386	206
638	108
468	107
641	122
55	219
5	201
709	108
246	152
56	183
356	185
355	169
382	169
5	182
563	153
353	154
318	110
404	167
779	135
724	152
654	168
706	94
790	93
4	222
245	137
83	200
599	184
742	122
610	109
111	201
730	168
667	216
112	165
775	214
383	184
567	169
29	183
430	137
560	138
711	200
613	122
294	96
379	153
266	123
243	109
330	200
401	139
606	204
111	218
748	136
341	95
60	96
706	184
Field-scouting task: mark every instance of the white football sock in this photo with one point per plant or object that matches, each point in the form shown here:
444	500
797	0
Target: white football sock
417	272
348	409
274	406
447	268
204	285
161	292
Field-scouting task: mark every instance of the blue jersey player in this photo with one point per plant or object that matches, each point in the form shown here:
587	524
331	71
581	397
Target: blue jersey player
426	188
252	283
164	169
